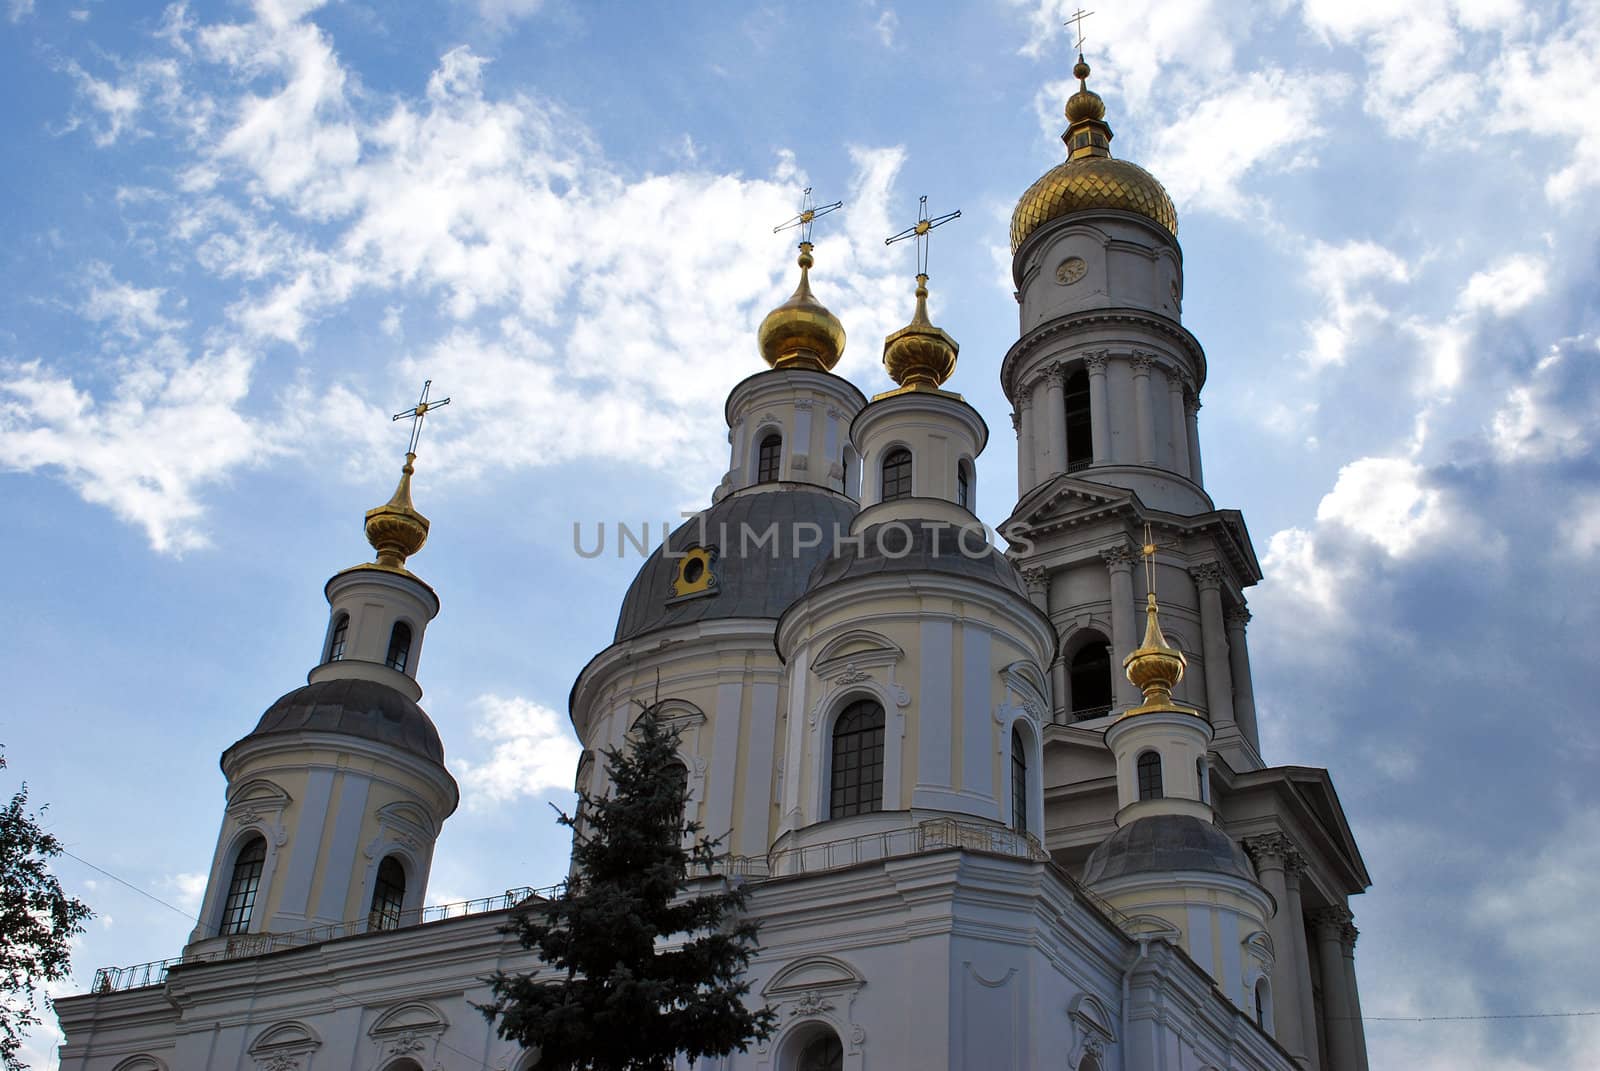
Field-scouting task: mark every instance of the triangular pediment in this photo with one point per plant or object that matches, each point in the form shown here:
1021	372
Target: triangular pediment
1062	497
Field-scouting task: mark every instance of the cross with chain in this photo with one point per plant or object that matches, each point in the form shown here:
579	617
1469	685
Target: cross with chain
919	231
1148	552
417	412
1077	23
809	211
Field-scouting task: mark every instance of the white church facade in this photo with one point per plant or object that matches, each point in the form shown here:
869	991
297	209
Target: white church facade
995	810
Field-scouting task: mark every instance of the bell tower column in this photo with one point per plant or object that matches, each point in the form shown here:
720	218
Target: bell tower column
1178	434
1143	419
1054	453
1099	424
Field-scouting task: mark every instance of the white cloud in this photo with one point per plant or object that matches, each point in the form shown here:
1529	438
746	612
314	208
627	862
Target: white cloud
885	27
1508	288
533	752
186	890
132	312
1343	273
17	10
1386	500
1540	420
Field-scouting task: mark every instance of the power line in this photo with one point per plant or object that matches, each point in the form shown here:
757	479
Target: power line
1470	1018
129	884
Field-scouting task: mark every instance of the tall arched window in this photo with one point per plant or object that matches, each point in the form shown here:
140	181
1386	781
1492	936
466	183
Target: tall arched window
768	458
341	630
897	474
856	784
399	646
1150	776
1080	433
1019	783
388	895
1203	776
963	485
822	1053
242	887
1089	677
1264	1006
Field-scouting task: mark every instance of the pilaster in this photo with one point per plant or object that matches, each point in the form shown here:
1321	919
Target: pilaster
1192	411
1179	434
1027	448
1119	562
1055	407
1244	696
1214	647
1143	418
1273	855
1337	1012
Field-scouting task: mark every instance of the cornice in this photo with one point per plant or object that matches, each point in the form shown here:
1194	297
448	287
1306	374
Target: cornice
1155	323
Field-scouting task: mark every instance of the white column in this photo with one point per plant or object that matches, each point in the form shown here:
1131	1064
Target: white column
1179	431
1144	424
1296	914
1027	449
1214	646
1337	1013
1119	561
1055	411
1193	410
1099	407
1359	1031
1244	695
1272	854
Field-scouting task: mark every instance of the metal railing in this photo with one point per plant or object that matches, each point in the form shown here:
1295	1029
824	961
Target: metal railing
242	946
937	834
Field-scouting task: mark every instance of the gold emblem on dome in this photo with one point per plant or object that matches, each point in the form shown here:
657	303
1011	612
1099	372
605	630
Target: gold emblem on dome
801	333
696	573
1091	178
920	355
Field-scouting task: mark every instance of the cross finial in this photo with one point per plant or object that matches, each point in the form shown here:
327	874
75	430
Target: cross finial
1076	22
1148	551
809	211
919	230
419	411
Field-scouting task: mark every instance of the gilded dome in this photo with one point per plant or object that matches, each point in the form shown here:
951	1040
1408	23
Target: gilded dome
920	355
1091	177
802	333
395	529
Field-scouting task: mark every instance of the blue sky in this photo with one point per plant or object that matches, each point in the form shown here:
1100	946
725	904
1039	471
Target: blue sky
239	236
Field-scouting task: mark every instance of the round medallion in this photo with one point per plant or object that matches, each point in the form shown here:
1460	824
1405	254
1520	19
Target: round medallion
1070	270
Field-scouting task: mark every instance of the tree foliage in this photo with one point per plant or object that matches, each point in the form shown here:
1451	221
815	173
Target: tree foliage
37	921
635	972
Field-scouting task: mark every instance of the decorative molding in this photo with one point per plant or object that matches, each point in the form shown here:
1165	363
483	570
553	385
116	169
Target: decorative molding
1016	422
1025	396
799	463
835	413
1207	575
1035	578
1331	921
803	404
1272	846
1117	557
1142	362
852	675
1095	363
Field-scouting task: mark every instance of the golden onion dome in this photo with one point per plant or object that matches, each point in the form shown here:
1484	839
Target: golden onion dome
920	355
1091	177
1156	667
802	333
395	529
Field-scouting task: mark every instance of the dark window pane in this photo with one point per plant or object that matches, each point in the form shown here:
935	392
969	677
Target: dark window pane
857	771
1090	679
897	474
388	895
241	899
1080	434
341	629
399	646
823	1054
768	459
1019	784
1150	776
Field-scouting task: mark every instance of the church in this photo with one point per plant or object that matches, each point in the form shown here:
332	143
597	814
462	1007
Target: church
994	809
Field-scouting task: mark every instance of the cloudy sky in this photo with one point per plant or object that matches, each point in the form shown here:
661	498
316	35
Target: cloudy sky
238	237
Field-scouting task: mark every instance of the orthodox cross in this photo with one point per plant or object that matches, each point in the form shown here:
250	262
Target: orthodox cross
1077	18
1148	552
919	231
809	211
417	412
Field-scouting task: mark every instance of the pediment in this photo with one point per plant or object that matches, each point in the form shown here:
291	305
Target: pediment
140	1063
1259	946
1027	684
812	973
291	1036
1150	927
1065	497
413	1017
1091	1013
857	647
673	714
258	794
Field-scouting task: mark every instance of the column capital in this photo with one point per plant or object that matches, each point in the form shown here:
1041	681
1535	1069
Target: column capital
1348	934
1177	382
1025	395
1331	922
1016	422
1118	558
1056	374
1095	363
1275	847
1237	616
1208	575
1191	402
1036	579
1142	363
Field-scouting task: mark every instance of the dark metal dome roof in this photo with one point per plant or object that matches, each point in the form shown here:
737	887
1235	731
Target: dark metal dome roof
752	581
1165	842
354	707
908	547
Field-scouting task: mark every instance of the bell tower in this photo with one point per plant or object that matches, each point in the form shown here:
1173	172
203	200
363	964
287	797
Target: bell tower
1105	383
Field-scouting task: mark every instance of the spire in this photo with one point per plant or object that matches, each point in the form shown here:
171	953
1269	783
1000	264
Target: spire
395	529
801	333
1087	134
1156	667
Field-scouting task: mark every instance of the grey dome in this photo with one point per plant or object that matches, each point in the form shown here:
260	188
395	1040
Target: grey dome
752	581
908	547
354	707
1165	842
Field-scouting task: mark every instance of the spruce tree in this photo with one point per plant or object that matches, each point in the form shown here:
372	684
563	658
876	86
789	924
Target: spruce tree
641	973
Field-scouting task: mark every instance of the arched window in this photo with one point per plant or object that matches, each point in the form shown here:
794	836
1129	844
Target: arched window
341	630
1203	776
1264	1006
1080	434
388	895
399	646
856	784
963	485
1150	776
897	474
242	887
1019	783
1089	678
822	1053
768	458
